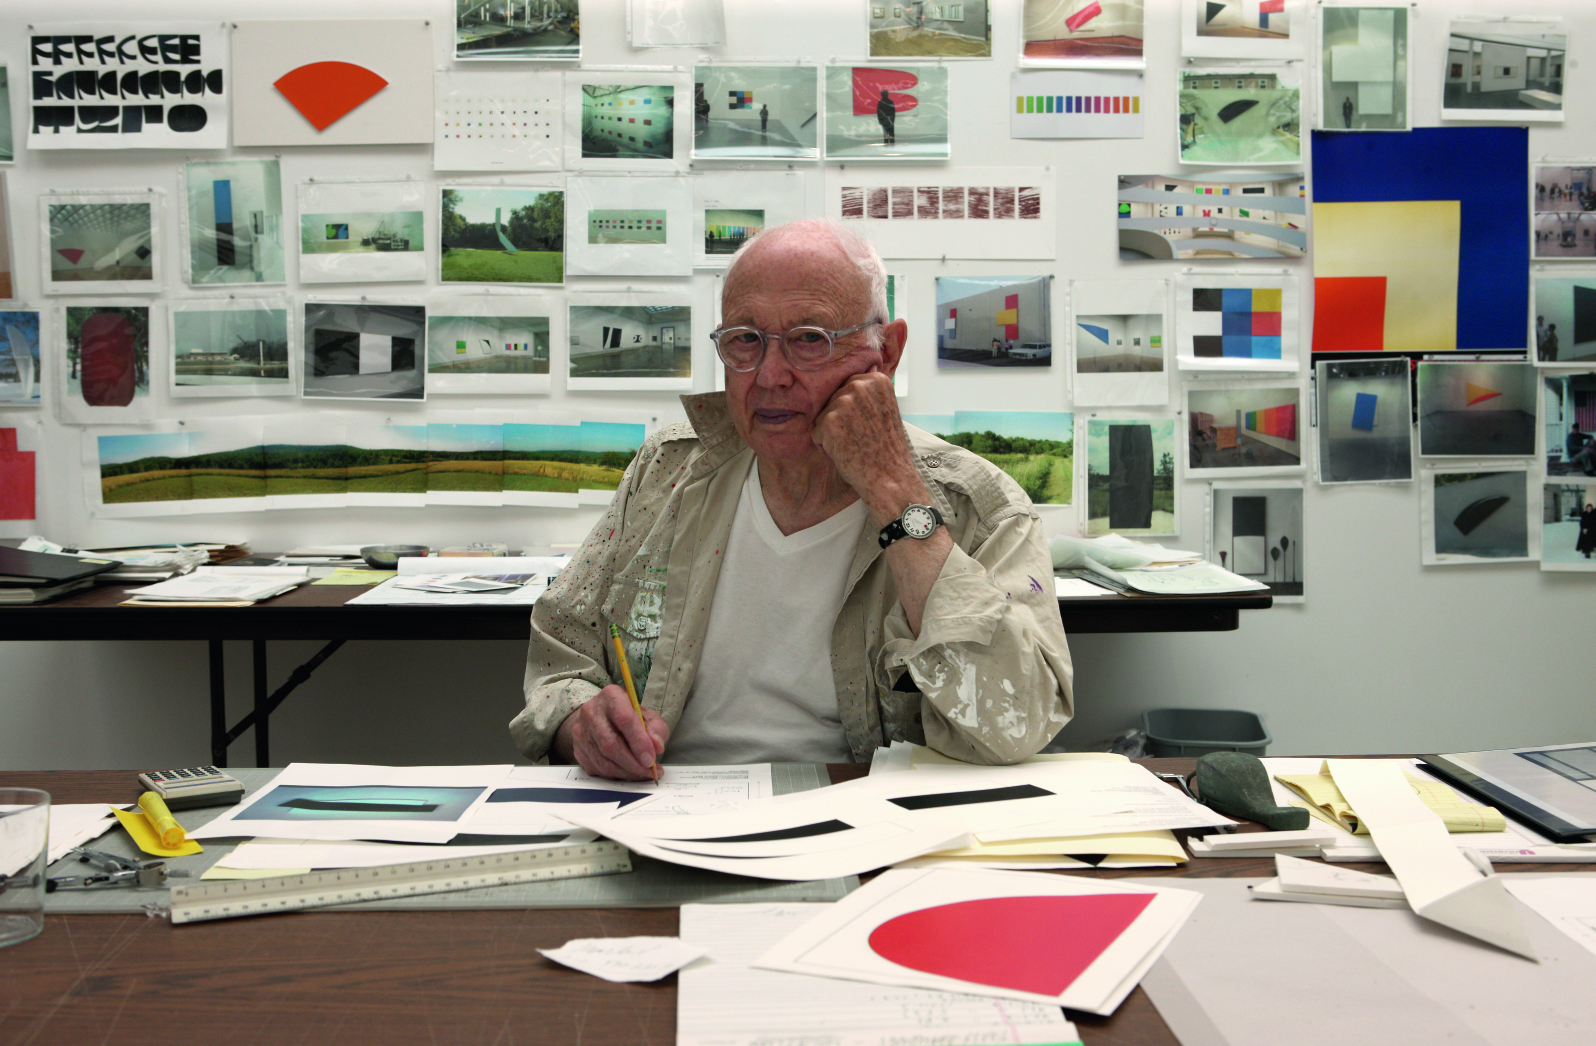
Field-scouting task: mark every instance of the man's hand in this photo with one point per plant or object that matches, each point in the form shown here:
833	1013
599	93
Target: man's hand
862	433
604	737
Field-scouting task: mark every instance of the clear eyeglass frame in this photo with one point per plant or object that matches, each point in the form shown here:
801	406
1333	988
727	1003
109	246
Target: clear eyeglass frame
805	347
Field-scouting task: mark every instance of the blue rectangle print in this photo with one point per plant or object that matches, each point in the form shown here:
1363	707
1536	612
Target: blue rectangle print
1363	411
1238	346
1238	299
1237	322
1491	187
222	193
1265	346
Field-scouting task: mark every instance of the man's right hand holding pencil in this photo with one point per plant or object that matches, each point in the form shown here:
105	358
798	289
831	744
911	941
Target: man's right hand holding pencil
608	739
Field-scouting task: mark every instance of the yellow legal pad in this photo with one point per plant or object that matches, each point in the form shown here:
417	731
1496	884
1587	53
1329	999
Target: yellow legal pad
1459	815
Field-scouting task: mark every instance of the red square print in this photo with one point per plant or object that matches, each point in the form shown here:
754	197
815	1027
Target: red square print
1349	314
1266	323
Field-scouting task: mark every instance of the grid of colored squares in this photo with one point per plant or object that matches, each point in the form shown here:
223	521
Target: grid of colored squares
1238	322
649	224
1077	103
740	99
1278	421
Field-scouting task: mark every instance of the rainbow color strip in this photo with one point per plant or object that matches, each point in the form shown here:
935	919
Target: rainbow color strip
1280	422
1080	104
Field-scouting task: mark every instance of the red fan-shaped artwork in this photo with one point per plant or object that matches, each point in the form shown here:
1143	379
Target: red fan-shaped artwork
326	92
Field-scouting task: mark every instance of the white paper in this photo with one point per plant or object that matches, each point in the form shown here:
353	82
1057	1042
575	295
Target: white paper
362	232
628	226
74	824
22	342
730	207
495	344
172	83
1074	587
633	342
835	944
489	122
624	959
207	587
724	1001
1568	902
1076	104
1112	796
233	347
1312	877
1202	306
292	854
1119	337
627	121
102	242
980	212
1242	29
397	51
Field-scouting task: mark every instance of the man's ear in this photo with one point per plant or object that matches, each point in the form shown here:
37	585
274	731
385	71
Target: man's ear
893	337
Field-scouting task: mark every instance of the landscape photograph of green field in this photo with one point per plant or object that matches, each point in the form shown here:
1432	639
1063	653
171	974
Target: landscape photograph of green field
1036	448
229	460
503	235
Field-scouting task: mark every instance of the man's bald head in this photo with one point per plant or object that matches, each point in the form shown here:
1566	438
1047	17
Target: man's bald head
821	236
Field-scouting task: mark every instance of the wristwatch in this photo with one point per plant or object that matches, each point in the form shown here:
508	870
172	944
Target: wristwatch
917	521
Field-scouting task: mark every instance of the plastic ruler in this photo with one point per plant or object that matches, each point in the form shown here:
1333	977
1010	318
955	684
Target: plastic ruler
228	899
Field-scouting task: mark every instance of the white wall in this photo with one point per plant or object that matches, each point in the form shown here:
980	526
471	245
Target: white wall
1385	655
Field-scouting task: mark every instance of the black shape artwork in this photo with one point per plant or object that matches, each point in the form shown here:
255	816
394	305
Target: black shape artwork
803	831
966	798
1478	512
1214	10
1130	476
1584	314
1236	108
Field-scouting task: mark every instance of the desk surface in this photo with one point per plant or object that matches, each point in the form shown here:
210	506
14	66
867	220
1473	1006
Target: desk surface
317	612
441	978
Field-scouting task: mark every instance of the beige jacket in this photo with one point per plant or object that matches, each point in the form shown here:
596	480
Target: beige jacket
987	680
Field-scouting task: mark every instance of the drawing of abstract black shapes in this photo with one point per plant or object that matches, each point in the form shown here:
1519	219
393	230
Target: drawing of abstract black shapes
1248	535
1478	512
1130	476
1236	108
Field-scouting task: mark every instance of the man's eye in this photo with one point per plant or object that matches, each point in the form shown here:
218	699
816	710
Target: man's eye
745	337
806	337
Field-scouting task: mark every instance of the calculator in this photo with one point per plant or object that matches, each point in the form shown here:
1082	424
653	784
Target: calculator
194	786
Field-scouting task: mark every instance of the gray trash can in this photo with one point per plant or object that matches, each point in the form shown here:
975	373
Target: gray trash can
1197	731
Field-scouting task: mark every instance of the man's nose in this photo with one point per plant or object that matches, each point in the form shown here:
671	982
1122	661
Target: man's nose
774	370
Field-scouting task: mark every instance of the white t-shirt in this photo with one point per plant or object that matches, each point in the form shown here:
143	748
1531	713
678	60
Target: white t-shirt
764	691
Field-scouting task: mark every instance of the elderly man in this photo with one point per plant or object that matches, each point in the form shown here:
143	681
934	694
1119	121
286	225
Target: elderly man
796	574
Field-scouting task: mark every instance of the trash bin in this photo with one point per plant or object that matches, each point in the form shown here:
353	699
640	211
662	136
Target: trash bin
1197	731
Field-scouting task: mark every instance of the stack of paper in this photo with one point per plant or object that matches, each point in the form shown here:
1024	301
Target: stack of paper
1315	883
1325	801
246	586
466	583
410	587
1049	939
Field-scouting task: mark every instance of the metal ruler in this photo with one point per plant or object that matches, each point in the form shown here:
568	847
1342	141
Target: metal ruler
228	899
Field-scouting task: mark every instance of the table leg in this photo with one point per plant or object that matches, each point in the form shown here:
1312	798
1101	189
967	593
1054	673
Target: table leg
262	711
218	706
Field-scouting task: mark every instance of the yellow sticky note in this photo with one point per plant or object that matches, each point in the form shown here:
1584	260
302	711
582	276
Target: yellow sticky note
355	577
143	833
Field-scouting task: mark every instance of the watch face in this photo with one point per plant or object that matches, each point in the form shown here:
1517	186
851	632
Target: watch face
918	521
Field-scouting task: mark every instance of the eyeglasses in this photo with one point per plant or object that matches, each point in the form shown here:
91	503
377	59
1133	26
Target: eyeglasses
806	348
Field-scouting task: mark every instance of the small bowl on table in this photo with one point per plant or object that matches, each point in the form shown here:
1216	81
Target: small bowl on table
387	557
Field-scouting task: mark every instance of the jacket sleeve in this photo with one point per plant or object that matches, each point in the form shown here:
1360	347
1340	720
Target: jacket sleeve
566	659
991	661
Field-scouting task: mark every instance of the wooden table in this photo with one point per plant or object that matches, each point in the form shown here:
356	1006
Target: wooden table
439	978
318	612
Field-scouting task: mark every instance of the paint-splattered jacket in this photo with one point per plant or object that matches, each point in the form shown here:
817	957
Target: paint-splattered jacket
987	679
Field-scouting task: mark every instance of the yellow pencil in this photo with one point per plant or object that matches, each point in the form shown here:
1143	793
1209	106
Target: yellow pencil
631	689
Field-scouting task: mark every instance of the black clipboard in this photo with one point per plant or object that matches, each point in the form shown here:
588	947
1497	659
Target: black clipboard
1512	804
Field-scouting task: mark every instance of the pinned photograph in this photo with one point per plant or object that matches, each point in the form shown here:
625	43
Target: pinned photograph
1398	263
1036	448
926	29
1477	410
623	123
976	212
235	347
1082	32
219	461
19	359
1243	430
1237	115
1080	103
887	113
1565	319
618	225
361	232
102	375
1475	517
1166	217
1119	332
1241	323
1363	68
1365	421
485	124
631	347
1130	476
234	221
1568	526
492	345
1565	211
1505	69
756	112
731	207
994	321
1256	531
549	463
101	242
671	23
8	288
1569	413
362	350
531	31
1243	28
502	234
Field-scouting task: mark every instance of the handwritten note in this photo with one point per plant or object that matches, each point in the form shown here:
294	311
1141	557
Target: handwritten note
623	959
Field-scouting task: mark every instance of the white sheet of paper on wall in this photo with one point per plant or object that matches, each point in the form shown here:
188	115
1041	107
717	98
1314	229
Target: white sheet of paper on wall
490	122
628	226
362	232
328	82
676	23
124	85
978	212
